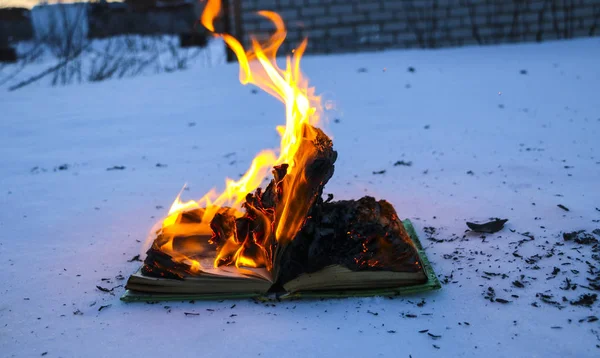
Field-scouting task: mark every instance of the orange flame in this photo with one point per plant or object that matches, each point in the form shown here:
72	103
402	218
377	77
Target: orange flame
258	66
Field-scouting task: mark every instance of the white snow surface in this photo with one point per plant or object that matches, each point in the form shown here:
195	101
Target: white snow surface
530	141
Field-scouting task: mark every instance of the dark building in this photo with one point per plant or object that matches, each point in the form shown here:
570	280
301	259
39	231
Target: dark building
144	17
15	25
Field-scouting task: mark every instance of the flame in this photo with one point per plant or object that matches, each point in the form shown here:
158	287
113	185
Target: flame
258	66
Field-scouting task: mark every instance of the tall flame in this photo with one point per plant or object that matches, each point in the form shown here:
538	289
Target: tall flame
258	66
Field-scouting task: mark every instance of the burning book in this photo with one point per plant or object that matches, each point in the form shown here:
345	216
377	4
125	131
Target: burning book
284	239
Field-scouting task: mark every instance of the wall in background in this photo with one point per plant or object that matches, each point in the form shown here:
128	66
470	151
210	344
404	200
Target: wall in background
357	25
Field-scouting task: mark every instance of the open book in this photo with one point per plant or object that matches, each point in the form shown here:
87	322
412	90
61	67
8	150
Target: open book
349	253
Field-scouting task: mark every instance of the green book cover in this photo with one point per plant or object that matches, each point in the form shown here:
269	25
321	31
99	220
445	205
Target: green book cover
432	284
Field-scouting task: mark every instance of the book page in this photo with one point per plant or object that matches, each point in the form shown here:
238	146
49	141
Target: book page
207	269
337	277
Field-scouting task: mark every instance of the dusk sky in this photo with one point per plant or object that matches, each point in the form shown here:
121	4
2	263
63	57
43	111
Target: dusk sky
30	3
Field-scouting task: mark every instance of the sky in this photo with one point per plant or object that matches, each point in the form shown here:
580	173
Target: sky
30	3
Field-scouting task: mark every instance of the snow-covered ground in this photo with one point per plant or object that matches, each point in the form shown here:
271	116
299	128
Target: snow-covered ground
485	140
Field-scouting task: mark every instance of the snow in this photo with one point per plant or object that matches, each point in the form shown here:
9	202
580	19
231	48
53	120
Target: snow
526	138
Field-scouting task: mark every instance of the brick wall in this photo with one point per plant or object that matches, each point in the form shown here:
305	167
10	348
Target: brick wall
355	25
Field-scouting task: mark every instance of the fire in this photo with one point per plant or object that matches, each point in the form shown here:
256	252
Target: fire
258	66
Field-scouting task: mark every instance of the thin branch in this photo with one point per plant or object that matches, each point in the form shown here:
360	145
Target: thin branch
44	73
